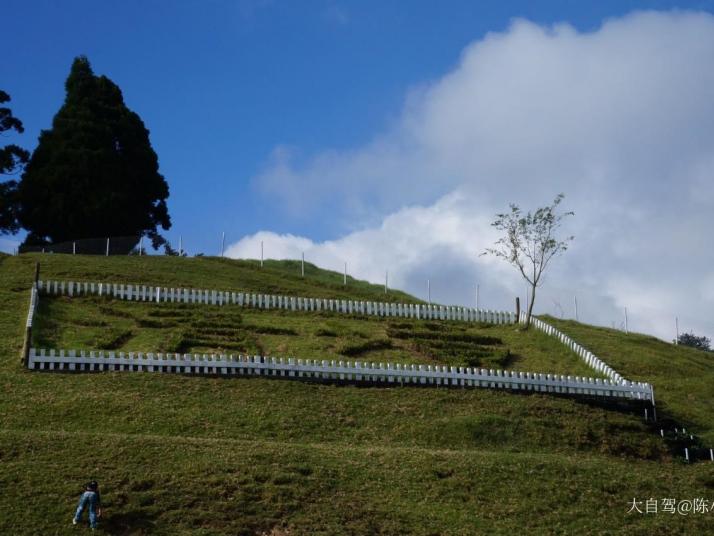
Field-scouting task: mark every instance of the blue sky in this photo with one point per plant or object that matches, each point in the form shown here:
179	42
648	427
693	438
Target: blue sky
312	126
220	84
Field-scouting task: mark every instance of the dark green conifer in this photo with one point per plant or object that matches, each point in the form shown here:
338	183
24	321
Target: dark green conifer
94	173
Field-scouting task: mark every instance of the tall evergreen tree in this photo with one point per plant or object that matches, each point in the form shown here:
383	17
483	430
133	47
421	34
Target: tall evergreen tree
94	173
12	159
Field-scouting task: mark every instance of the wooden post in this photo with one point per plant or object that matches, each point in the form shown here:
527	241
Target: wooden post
25	359
518	309
26	346
37	273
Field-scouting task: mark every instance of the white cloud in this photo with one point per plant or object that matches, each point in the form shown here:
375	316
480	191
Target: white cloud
414	244
620	119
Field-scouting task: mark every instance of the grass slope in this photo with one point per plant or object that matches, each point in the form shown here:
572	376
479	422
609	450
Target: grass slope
683	377
101	323
183	455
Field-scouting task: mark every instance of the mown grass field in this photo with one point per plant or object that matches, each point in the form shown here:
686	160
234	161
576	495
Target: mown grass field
683	377
102	323
188	455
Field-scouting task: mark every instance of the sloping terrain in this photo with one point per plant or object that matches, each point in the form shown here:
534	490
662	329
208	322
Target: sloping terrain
103	323
683	377
191	455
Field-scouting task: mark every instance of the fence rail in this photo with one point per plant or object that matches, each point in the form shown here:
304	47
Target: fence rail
148	293
590	359
355	372
27	340
116	245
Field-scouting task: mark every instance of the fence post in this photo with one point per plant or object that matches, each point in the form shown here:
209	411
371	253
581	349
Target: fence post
107	247
25	361
27	342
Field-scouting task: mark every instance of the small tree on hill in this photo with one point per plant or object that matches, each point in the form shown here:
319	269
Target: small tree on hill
94	173
529	243
12	160
693	341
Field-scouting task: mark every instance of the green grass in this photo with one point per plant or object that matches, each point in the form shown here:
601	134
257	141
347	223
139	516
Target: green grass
190	455
683	377
275	277
101	323
193	485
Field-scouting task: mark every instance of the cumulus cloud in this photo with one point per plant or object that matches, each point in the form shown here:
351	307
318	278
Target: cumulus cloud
620	119
442	243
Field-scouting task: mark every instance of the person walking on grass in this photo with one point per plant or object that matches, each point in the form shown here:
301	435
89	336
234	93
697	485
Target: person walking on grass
90	499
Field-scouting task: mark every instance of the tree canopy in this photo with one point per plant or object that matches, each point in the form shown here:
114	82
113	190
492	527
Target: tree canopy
530	243
12	159
694	341
94	173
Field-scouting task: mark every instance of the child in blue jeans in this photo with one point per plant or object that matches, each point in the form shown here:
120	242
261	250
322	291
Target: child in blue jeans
89	499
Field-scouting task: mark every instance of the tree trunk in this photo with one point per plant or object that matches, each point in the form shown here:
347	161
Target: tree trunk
530	307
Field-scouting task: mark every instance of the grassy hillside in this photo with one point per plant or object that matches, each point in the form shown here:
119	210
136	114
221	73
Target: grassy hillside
683	377
275	277
185	455
107	324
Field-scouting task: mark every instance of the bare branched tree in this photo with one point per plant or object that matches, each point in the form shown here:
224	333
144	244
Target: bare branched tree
529	243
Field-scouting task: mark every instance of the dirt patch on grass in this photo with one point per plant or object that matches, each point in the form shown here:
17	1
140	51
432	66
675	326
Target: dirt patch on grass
352	350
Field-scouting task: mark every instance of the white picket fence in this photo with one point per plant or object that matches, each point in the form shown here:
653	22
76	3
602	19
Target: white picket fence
331	371
27	339
590	359
34	300
147	293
